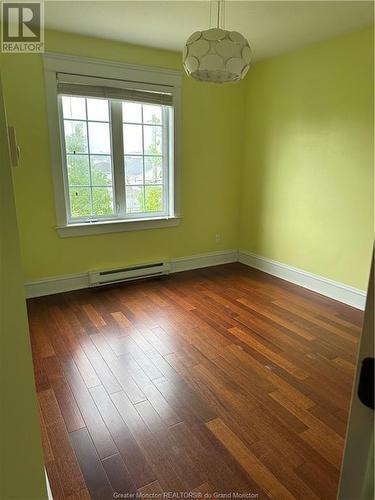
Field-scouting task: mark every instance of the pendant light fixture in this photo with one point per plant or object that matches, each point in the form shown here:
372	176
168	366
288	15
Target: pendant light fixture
217	55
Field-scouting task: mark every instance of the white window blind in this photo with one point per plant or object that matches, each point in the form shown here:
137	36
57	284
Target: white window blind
112	89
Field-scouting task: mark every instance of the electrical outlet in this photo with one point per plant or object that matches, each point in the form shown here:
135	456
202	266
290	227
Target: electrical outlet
217	237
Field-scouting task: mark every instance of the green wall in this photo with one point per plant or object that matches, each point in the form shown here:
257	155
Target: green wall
211	128
288	155
21	463
307	190
279	165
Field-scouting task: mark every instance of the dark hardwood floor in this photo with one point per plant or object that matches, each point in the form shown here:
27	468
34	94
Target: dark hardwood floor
216	380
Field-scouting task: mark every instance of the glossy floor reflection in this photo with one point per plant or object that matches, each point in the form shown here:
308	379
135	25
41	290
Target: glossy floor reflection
216	380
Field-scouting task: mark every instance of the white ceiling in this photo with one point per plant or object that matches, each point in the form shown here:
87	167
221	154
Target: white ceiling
272	27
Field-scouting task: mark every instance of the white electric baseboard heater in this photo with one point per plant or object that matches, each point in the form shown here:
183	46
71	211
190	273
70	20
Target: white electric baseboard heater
141	271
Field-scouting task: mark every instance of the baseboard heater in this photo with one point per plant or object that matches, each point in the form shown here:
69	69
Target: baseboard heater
108	276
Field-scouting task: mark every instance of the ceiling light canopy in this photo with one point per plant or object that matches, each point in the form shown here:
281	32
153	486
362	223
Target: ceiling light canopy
217	55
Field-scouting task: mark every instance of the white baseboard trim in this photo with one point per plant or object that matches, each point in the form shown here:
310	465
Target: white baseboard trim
67	283
49	492
56	284
203	260
333	289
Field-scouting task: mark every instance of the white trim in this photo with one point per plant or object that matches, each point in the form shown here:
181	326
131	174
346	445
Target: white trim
329	288
147	76
55	147
333	289
203	260
113	226
58	284
65	63
49	492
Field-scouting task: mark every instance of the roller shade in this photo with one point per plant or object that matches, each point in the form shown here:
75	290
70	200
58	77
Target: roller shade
113	89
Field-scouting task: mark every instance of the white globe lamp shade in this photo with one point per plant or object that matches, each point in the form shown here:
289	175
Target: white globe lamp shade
217	55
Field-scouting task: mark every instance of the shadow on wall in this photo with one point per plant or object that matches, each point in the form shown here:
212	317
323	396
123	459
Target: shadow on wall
307	187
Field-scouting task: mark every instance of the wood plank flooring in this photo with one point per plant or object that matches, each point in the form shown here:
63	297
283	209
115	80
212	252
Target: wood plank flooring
223	379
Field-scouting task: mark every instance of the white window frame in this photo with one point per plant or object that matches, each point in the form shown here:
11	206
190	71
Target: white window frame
151	78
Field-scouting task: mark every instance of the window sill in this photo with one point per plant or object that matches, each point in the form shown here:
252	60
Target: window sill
102	227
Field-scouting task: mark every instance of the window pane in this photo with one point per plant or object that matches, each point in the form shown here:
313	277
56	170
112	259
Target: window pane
134	199
153	169
99	138
152	138
102	199
74	107
133	139
97	109
78	170
154	198
75	137
151	114
131	112
80	202
101	171
134	170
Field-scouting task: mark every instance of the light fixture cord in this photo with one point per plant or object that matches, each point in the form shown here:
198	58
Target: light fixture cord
220	14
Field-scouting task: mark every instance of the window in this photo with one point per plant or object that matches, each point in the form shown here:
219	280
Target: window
146	161
115	161
91	147
88	157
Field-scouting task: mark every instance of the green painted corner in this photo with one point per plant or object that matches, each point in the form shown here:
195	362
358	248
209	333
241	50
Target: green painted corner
280	165
307	185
